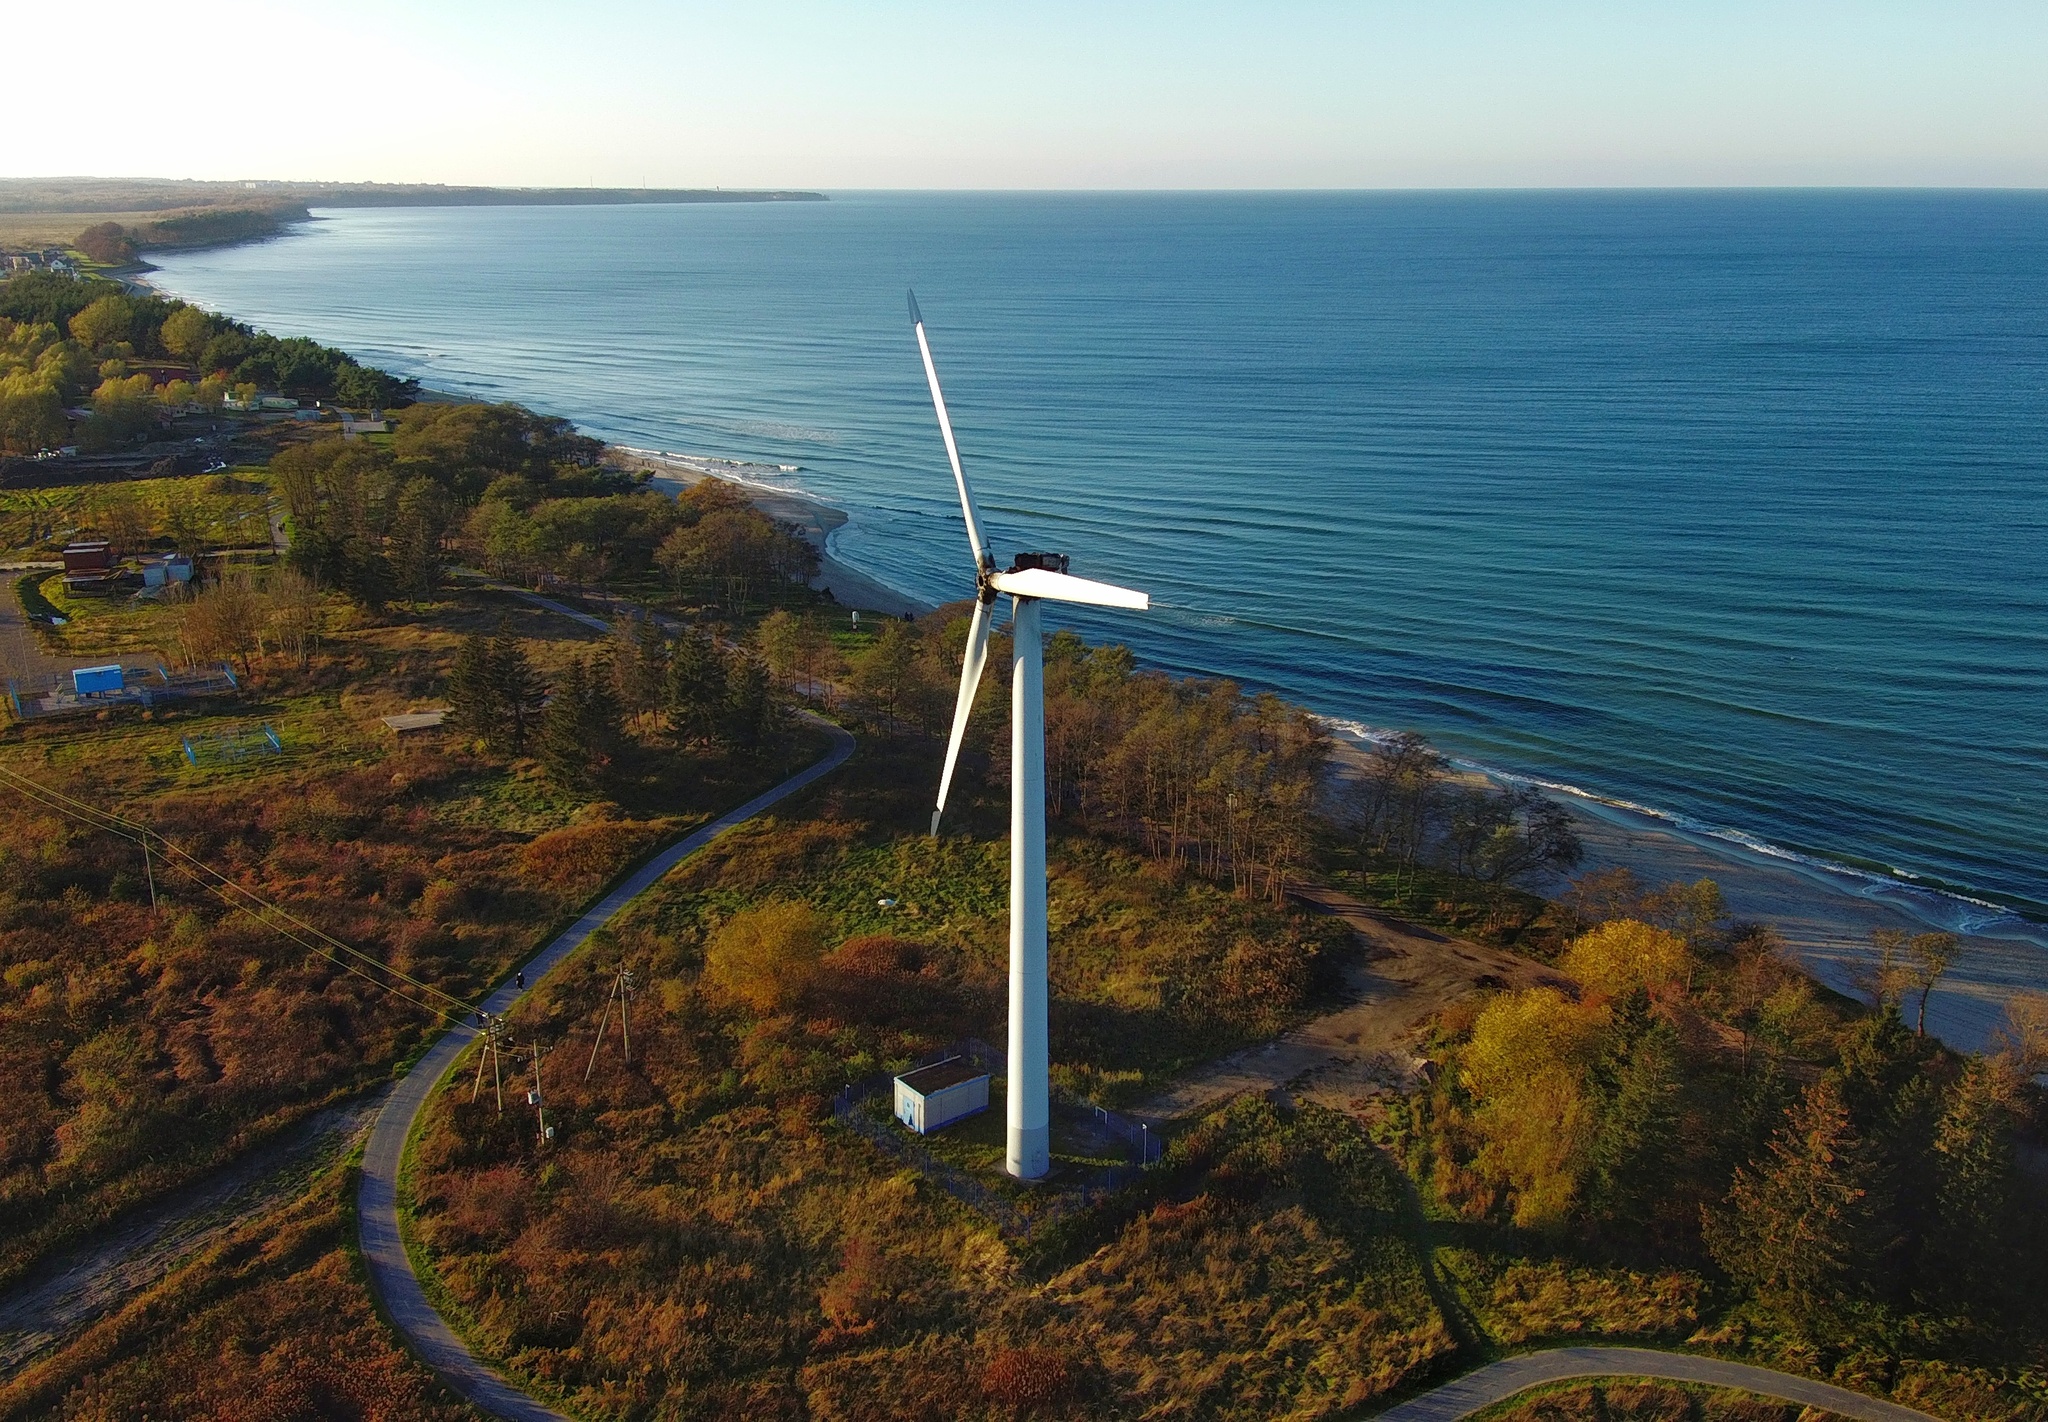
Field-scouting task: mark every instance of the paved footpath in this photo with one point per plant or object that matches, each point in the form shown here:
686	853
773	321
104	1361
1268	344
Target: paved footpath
391	1275
1499	1381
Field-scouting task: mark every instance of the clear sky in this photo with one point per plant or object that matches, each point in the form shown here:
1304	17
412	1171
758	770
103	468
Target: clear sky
1429	93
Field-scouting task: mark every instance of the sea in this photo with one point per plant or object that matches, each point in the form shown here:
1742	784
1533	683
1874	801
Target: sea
1729	509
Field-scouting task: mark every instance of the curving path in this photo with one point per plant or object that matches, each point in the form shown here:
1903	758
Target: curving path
1499	1381
391	1275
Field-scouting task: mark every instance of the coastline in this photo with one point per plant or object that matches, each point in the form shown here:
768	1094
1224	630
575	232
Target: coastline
817	520
1824	913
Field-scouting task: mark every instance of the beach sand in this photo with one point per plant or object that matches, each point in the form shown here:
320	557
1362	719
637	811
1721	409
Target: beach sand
849	586
1826	917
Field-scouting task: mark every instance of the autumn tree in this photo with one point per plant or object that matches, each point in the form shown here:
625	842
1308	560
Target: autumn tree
294	614
1525	1067
108	322
224	619
762	958
185	333
1625	955
1396	795
1931	956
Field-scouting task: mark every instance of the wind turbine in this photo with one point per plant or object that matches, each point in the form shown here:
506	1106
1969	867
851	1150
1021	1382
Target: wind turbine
1030	579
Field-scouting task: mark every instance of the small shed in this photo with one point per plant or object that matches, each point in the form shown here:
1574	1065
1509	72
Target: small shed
97	681
408	722
94	556
170	568
940	1094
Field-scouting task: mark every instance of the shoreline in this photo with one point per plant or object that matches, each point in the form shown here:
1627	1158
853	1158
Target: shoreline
1824	913
817	520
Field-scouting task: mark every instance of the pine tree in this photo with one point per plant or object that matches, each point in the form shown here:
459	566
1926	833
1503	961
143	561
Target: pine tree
1637	1081
1800	1226
751	707
695	691
603	724
642	668
472	691
559	742
1973	1243
517	688
416	539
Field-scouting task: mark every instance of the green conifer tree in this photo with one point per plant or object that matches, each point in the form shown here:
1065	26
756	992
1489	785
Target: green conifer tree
559	742
1799	1227
1637	1082
517	687
694	695
751	706
473	700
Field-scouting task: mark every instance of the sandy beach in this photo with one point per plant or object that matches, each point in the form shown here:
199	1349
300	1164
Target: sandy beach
819	521
1825	916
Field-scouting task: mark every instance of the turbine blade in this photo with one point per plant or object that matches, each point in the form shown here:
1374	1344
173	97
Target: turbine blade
1064	587
970	679
931	375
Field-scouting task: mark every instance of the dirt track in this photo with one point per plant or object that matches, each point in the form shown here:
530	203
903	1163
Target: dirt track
73	1290
1363	1048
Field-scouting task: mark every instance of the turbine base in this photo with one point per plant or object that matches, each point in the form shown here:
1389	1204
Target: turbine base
1030	1154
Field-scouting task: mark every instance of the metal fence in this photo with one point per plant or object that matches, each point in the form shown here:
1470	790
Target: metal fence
32	697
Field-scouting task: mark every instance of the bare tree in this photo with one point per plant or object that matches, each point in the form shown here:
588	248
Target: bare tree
293	614
1933	954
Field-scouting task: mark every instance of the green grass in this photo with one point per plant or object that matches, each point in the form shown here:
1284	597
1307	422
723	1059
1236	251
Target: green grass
28	590
224	508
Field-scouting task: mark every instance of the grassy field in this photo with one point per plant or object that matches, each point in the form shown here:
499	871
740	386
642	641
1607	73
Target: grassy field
38	230
223	510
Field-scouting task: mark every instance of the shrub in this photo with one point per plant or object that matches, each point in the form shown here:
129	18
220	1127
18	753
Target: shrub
1621	956
1025	1377
575	862
763	957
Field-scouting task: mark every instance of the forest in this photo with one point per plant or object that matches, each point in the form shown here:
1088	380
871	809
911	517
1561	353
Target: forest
67	341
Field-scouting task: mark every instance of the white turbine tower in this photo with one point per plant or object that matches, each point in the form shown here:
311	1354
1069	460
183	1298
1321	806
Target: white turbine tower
1030	579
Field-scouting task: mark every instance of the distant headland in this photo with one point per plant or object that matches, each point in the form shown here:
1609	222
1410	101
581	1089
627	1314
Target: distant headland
115	221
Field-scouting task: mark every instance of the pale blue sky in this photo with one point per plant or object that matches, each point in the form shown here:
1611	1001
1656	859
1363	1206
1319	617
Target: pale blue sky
931	95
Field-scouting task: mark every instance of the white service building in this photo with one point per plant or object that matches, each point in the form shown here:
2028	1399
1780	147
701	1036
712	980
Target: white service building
939	1094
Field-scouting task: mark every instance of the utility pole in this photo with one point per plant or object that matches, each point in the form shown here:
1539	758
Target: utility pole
149	872
622	992
494	1032
543	1131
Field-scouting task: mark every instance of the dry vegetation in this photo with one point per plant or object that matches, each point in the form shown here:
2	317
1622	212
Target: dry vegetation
703	1241
1625	1401
273	1325
142	1047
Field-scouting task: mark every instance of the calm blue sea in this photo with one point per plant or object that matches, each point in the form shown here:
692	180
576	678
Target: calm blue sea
1729	505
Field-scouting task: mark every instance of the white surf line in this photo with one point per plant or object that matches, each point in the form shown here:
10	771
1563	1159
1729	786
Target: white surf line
392	1278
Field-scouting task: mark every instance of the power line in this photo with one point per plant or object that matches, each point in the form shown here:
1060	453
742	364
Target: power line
238	896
